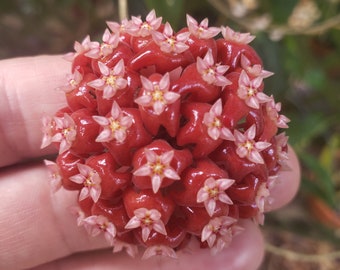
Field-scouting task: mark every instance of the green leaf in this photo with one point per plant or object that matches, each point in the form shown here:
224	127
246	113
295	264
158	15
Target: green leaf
280	9
302	130
320	183
315	77
328	153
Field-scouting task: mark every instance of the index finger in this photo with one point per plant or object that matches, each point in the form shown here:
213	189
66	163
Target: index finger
27	92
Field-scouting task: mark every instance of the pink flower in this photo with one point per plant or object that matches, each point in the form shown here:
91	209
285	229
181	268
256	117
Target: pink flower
273	110
75	210
201	30
48	125
73	81
99	50
114	126
212	191
137	27
254	70
131	249
247	147
80	48
231	35
119	29
157	167
157	95
170	43
66	132
111	80
148	220
262	197
249	91
159	250
218	233
281	146
213	121
54	175
91	181
212	73
100	224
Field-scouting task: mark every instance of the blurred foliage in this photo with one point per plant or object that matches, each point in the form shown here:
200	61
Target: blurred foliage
29	27
299	40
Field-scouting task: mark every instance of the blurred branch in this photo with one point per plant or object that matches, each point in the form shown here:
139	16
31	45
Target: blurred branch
123	9
296	256
276	31
324	26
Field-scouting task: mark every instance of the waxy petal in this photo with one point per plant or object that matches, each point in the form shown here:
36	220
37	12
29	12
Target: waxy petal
159	250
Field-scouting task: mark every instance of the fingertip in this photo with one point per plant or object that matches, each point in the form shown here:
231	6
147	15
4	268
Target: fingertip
245	252
287	185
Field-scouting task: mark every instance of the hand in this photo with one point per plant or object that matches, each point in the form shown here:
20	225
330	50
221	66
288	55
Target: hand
36	229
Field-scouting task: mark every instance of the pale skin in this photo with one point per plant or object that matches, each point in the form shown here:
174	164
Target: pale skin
36	228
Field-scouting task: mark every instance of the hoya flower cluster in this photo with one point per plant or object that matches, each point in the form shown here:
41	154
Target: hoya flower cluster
166	135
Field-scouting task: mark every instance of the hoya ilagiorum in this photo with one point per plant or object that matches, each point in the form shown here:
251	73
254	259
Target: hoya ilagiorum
166	135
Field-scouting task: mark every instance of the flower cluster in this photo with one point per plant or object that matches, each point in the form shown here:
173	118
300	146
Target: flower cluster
166	135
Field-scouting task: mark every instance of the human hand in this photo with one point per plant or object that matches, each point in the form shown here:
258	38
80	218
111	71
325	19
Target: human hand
36	229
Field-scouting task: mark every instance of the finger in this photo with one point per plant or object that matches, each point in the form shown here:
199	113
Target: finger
27	92
36	226
245	252
286	185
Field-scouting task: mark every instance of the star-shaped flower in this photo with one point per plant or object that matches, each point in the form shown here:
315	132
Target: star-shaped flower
111	80
119	28
114	126
100	224
218	233
137	27
247	147
131	249
212	73
262	197
73	81
213	121
273	110
54	175
170	43
254	70
157	167
147	219
157	95
214	190
249	91
90	180
159	250
201	30
281	146
80	48
231	35
105	48
79	213
48	125
66	132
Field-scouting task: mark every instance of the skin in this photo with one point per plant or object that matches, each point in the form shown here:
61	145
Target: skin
36	228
